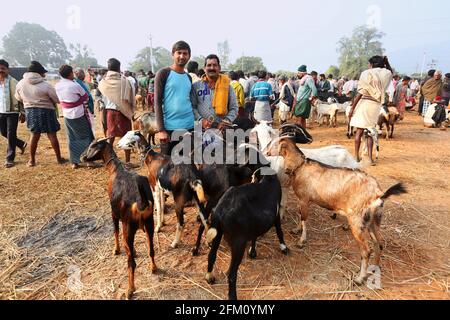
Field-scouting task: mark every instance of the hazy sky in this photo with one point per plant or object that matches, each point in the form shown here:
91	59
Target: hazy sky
285	33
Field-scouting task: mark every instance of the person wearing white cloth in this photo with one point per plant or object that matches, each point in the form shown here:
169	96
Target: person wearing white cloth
371	96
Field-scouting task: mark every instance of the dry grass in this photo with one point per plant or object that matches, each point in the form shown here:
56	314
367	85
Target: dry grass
55	227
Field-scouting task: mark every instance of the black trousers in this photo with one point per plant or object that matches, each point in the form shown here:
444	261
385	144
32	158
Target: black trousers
8	128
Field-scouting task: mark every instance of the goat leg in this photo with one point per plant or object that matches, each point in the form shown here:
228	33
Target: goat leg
116	222
180	224
237	253
129	232
149	230
280	235
207	212
361	237
252	252
212	256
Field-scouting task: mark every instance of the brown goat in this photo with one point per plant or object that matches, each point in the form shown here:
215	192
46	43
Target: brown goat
389	119
351	193
131	203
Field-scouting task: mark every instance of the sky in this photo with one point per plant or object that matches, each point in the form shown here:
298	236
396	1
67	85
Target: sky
285	33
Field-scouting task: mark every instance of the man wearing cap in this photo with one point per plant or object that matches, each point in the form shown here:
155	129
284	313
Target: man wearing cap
11	111
40	100
306	93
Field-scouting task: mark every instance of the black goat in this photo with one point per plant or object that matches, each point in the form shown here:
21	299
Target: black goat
217	179
183	180
243	214
131	203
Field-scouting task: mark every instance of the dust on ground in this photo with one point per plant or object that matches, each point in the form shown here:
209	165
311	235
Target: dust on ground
56	235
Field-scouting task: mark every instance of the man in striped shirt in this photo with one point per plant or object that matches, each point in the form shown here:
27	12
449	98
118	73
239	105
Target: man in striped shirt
262	93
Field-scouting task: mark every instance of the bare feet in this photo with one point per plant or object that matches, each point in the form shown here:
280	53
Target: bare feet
31	164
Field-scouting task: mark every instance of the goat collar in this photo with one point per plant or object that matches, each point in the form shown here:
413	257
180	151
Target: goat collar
292	172
144	154
110	160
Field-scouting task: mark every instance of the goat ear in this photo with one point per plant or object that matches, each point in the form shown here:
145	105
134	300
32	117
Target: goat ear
282	149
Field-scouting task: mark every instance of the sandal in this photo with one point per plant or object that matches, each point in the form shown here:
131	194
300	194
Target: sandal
9	165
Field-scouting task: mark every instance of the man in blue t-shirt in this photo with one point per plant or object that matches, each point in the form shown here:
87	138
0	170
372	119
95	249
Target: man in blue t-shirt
173	106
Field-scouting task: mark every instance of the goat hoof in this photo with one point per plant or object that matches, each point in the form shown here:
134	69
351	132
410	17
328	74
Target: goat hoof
130	293
157	229
285	251
153	268
116	252
302	244
252	255
174	245
359	281
210	279
345	227
195	252
334	216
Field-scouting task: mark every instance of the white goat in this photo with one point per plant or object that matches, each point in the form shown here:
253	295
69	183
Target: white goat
330	110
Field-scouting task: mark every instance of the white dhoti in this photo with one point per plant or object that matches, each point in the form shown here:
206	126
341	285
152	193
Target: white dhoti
263	111
366	114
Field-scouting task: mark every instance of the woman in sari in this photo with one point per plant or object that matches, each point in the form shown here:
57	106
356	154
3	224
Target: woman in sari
401	96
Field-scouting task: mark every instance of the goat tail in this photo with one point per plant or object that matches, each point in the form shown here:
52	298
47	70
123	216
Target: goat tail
197	187
398	189
211	235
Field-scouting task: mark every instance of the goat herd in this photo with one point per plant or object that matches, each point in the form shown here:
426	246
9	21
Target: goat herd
241	202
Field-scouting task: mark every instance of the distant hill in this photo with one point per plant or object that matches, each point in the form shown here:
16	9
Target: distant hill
409	60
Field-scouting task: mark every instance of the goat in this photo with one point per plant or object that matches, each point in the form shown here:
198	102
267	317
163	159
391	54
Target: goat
146	123
243	214
336	156
182	180
140	101
351	193
154	162
388	117
131	203
329	110
371	133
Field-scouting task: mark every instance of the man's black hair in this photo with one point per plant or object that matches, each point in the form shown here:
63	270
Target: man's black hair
4	63
233	75
212	57
181	45
114	65
65	71
192	67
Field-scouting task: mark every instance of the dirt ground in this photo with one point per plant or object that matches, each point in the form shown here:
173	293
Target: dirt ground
56	236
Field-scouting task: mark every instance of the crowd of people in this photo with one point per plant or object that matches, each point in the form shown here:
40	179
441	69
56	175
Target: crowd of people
182	94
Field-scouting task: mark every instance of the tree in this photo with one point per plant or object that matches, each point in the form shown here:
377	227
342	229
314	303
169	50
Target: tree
161	58
334	70
356	51
82	56
248	64
29	41
286	73
223	48
200	60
